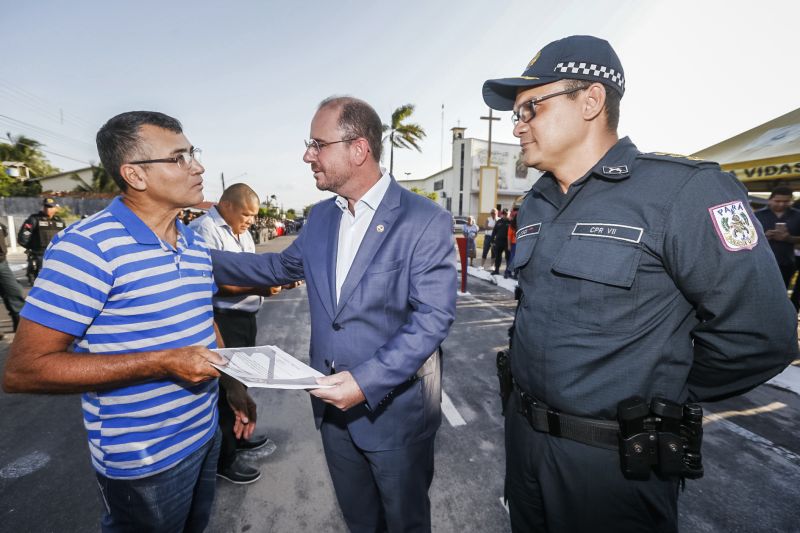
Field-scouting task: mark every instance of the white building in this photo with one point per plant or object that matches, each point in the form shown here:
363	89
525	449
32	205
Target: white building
457	186
68	181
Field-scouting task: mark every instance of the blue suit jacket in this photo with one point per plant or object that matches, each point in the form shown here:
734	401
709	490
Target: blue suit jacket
395	309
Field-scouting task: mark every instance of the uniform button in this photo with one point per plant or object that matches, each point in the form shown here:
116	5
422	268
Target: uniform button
337	326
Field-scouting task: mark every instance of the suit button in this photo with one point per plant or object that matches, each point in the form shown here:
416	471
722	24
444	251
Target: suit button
337	326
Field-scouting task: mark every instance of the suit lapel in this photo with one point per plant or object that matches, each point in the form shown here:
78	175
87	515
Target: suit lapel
323	254
379	230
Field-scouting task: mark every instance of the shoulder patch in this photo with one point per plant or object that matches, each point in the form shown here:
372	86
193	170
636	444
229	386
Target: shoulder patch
677	158
734	226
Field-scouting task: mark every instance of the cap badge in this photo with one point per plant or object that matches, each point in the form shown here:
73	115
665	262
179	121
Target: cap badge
535	58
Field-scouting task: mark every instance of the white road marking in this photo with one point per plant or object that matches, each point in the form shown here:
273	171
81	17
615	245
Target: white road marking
450	411
788	455
788	379
24	465
504	504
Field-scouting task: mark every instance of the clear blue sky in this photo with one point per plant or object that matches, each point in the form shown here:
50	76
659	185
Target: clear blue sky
245	77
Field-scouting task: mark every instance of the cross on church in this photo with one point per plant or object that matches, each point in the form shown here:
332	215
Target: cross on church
490	118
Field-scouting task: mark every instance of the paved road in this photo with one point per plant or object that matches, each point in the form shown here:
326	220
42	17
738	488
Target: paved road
751	452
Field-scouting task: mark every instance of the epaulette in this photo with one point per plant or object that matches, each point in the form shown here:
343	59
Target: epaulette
678	158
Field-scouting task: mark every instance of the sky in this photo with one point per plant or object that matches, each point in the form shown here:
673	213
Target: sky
245	78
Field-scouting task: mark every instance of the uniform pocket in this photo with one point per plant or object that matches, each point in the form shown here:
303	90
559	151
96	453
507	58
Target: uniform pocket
524	251
599	275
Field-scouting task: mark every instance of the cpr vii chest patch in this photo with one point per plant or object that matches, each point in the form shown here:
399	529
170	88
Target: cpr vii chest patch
734	226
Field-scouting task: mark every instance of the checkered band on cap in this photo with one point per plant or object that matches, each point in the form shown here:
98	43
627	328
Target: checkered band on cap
590	69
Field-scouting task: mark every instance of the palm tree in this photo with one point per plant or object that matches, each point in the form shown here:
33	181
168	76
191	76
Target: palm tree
402	135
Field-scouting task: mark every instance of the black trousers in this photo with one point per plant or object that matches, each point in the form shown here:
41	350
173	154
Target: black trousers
500	248
11	292
555	484
238	328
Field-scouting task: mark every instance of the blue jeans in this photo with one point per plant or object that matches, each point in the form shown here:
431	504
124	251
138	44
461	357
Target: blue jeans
178	499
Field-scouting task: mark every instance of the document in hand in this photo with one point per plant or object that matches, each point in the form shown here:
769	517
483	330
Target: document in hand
268	367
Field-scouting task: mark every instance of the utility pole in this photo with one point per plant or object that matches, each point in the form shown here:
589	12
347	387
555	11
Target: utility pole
222	177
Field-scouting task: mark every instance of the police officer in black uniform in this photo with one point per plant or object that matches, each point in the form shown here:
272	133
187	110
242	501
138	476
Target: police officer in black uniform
644	280
39	229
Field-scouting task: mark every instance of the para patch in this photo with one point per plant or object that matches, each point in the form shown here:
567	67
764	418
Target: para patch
734	226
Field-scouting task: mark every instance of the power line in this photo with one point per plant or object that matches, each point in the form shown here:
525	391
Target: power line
48	151
44	131
43	105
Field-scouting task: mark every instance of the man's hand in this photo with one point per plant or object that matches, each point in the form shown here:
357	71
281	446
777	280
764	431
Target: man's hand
243	407
344	394
193	363
780	233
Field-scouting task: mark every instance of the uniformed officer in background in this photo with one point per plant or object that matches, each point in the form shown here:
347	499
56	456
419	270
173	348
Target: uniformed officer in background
642	275
39	229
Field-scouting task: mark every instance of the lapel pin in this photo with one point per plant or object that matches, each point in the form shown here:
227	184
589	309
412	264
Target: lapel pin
380	228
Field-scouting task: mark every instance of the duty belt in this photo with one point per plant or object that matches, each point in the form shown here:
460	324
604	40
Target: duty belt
594	432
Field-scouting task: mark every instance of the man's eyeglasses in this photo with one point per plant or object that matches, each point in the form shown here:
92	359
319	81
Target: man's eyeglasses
184	160
527	110
314	146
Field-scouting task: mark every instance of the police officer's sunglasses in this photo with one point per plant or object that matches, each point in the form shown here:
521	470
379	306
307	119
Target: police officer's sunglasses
184	160
527	110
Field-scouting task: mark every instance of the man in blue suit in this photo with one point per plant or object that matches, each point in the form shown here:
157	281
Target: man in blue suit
379	264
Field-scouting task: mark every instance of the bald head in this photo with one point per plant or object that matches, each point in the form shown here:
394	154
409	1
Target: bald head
239	194
239	207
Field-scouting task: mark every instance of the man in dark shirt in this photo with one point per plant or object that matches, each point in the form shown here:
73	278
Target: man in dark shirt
781	225
500	240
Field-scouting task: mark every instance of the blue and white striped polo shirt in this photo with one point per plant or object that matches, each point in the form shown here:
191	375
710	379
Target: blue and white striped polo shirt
110	282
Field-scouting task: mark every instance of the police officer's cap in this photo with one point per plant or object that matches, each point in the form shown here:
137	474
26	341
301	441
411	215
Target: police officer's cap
579	57
49	202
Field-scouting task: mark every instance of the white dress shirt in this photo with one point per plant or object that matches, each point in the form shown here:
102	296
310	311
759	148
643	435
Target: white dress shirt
353	227
219	236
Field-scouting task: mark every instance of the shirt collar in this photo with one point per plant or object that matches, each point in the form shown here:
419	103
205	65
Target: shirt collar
217	217
138	229
372	198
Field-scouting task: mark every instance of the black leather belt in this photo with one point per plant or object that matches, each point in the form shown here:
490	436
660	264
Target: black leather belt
233	312
591	431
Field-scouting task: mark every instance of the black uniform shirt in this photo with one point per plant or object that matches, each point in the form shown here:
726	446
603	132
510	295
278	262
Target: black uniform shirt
783	250
650	278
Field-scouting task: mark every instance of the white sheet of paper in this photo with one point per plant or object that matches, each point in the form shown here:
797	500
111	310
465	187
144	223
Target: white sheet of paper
268	367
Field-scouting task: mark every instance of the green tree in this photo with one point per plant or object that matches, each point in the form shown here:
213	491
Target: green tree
101	182
24	150
432	195
28	151
402	134
291	214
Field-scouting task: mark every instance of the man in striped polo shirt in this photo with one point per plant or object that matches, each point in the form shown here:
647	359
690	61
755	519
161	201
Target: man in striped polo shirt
122	312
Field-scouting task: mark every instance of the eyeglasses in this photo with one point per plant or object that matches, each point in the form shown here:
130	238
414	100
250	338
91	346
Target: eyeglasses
184	160
527	110
314	146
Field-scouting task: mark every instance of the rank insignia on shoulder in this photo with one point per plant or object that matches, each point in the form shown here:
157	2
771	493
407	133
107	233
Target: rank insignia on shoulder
681	156
734	226
616	170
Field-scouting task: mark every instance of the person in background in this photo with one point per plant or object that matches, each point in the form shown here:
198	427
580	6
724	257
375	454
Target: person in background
488	226
781	223
512	243
10	289
471	230
500	241
225	227
38	230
